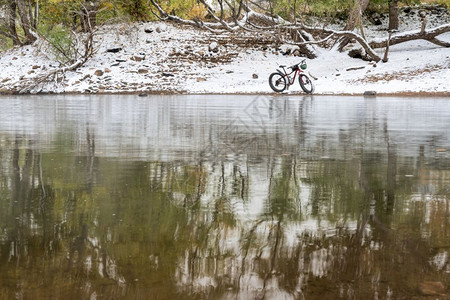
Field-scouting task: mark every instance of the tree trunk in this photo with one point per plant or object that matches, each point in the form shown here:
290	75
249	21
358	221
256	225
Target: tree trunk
393	14
12	22
354	19
30	14
36	15
221	9
26	24
356	14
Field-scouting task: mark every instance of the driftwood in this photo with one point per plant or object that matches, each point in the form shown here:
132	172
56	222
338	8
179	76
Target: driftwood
428	35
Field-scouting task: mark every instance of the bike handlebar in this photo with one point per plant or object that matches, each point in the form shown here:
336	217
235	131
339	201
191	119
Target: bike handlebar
296	65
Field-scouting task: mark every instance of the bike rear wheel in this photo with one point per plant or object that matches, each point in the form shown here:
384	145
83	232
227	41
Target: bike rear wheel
306	84
277	82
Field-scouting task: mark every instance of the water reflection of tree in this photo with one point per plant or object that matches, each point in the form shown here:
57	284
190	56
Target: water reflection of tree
376	257
167	229
27	206
43	242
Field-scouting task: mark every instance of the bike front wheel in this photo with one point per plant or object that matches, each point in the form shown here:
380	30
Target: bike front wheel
277	82
306	84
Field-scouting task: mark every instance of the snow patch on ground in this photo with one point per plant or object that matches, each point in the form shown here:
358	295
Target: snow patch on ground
160	57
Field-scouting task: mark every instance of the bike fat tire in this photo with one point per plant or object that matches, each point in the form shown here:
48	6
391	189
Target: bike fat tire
277	82
306	83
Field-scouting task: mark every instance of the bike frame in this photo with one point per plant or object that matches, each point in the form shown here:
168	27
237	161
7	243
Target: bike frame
290	82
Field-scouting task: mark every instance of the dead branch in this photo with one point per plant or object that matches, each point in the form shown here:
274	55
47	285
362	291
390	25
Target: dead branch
347	34
319	42
315	31
165	16
219	20
255	17
428	35
424	25
235	15
307	49
361	41
386	52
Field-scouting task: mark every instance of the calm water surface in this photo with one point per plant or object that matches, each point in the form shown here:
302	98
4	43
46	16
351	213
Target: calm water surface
224	197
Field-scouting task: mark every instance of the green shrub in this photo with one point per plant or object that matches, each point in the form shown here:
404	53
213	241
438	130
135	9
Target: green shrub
181	8
320	8
5	43
62	43
136	10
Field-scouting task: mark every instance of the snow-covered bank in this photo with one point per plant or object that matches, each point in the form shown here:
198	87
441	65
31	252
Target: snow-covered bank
162	57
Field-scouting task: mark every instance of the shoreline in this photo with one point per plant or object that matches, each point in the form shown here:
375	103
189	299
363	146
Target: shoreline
144	94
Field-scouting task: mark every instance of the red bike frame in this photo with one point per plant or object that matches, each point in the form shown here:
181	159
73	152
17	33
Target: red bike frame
297	72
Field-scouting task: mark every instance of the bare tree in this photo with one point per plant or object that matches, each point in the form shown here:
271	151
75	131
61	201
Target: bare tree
393	14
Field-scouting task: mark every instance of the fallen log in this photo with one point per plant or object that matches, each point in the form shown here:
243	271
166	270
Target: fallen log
428	35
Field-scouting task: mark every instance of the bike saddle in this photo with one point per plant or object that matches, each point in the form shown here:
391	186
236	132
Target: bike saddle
281	66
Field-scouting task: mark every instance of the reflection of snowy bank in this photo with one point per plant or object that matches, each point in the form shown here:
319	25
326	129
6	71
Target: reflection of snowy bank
172	127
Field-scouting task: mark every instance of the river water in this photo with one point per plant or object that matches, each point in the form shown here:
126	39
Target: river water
224	197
